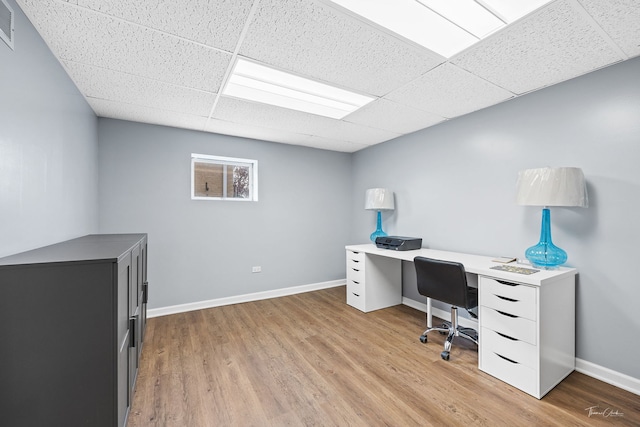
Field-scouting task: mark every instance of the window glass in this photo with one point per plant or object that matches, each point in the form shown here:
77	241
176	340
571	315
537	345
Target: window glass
223	178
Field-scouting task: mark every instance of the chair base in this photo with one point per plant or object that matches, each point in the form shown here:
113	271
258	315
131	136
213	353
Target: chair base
452	330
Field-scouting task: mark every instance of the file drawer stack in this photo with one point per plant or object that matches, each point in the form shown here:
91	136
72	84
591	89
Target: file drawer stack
355	280
372	286
518	344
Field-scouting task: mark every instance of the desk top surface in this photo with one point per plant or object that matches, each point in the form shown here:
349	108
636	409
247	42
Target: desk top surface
476	264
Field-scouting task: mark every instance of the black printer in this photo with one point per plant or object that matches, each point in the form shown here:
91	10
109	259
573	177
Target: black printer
399	243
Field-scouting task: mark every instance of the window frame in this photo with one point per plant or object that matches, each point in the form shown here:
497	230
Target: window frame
226	161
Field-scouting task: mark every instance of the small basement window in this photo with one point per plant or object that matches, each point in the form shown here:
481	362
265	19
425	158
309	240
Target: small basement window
223	178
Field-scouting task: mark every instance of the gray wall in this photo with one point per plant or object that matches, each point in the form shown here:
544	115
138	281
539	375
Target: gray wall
201	250
48	147
455	187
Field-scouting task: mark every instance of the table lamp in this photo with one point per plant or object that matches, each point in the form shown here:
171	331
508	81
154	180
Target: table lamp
550	187
379	199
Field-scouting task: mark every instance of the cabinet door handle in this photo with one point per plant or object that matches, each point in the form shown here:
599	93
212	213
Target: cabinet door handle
506	299
145	292
132	331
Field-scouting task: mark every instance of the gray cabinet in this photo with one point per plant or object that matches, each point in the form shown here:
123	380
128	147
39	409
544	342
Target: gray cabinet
72	319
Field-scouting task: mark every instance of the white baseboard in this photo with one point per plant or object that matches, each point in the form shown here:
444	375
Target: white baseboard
181	308
609	376
598	372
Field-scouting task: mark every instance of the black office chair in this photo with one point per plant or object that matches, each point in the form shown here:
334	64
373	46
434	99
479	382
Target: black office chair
447	282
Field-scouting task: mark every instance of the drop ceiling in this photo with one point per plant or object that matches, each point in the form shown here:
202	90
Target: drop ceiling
167	62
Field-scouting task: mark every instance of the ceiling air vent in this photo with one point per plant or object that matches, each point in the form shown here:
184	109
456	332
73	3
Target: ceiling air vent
6	23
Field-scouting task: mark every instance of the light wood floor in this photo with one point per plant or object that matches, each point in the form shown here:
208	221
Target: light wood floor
310	359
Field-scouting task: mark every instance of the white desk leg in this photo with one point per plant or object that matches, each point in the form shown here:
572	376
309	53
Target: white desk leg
429	317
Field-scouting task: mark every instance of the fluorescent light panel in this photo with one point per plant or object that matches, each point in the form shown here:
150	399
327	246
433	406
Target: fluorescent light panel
443	26
260	83
512	10
467	14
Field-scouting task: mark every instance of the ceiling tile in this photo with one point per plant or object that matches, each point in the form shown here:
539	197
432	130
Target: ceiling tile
314	40
95	82
553	45
621	21
217	24
275	135
136	113
394	117
449	92
88	37
251	113
255	132
334	145
262	115
351	132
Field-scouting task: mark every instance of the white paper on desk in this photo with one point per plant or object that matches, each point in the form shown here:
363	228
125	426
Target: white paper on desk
504	259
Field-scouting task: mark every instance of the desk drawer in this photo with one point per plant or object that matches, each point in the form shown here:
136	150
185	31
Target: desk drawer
355	287
354	263
355	295
516	350
519	300
357	275
510	371
356	256
519	328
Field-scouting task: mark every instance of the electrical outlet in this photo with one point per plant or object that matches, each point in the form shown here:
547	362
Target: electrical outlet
256	269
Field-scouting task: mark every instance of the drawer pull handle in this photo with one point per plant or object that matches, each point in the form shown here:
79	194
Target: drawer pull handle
355	269
355	260
507	359
506	336
355	294
507	283
357	283
506	314
506	299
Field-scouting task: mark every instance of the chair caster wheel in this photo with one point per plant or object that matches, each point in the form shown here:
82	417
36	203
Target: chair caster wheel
445	355
423	338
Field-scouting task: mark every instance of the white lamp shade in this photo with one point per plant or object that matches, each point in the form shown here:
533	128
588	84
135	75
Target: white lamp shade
379	199
552	187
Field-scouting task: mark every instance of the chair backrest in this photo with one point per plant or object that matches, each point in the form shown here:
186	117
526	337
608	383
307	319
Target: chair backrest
444	281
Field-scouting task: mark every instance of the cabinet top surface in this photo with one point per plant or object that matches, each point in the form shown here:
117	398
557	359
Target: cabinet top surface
93	247
476	264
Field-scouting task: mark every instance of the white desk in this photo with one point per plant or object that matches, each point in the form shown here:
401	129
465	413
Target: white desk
526	323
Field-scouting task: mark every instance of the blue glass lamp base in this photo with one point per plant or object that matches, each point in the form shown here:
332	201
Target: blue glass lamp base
547	256
378	232
545	253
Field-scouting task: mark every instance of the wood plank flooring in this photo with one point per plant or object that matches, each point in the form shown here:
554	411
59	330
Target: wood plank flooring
312	360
